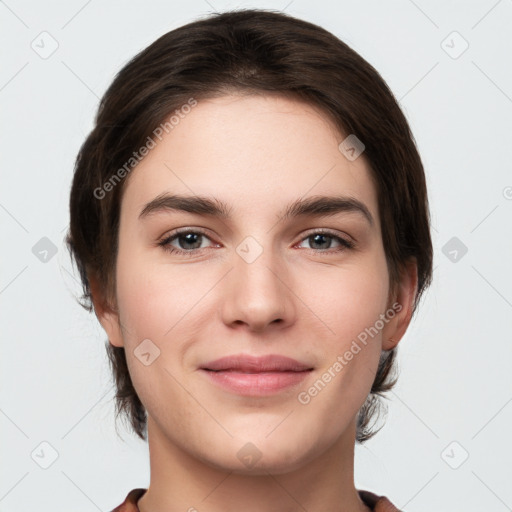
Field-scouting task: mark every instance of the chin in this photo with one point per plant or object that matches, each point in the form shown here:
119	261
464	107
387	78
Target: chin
257	455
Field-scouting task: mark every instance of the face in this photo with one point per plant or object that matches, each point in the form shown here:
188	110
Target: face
255	269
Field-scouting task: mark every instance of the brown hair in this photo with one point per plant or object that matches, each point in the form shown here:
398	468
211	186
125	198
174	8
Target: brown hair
247	51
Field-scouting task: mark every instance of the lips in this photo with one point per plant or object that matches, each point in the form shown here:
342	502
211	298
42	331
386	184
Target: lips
250	364
256	376
251	376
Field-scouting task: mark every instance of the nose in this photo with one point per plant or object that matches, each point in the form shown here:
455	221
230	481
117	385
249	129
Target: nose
257	296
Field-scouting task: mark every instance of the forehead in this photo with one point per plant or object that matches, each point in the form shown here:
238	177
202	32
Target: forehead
250	151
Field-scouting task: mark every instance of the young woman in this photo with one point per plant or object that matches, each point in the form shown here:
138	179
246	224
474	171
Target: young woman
249	217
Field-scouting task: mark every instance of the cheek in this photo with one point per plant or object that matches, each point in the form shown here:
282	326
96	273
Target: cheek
154	307
351	305
352	298
153	300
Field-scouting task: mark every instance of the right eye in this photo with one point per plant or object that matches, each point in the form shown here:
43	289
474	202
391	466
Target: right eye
188	241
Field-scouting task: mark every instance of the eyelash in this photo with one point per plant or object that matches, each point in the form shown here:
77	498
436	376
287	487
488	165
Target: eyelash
165	243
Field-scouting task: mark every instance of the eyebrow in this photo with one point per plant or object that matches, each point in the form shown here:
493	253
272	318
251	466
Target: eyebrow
315	206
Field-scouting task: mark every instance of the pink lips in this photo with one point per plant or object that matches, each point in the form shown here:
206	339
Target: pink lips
255	376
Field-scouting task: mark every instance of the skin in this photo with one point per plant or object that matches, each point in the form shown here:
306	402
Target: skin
300	299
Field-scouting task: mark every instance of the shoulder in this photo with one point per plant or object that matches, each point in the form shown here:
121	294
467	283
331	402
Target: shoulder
377	503
130	502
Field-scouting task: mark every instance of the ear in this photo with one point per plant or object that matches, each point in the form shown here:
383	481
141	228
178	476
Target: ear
106	314
402	302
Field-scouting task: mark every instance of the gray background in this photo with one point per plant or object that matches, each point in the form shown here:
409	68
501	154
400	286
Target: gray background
454	395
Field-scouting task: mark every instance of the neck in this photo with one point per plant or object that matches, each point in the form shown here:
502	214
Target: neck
182	482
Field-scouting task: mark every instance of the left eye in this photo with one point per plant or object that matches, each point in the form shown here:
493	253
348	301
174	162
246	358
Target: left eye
324	241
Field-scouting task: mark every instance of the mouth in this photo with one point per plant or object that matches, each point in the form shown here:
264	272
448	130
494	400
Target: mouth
244	363
256	376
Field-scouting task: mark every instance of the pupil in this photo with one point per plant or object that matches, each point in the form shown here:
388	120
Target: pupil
318	239
190	238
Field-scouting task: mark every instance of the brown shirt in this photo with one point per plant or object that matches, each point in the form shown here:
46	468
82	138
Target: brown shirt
376	503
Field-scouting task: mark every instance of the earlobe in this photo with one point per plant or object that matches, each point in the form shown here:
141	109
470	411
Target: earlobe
405	297
106	315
